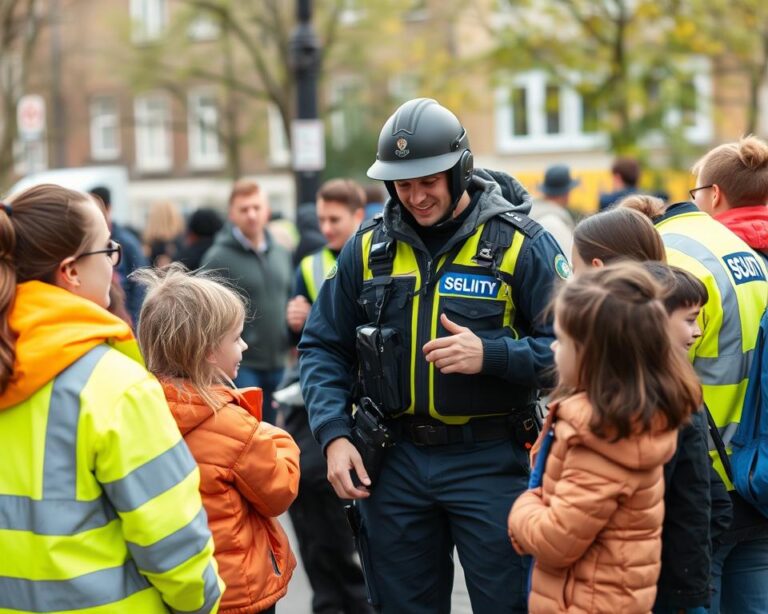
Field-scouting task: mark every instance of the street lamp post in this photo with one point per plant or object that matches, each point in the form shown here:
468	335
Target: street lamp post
305	57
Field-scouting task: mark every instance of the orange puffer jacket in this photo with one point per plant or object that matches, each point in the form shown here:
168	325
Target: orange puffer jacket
594	527
249	473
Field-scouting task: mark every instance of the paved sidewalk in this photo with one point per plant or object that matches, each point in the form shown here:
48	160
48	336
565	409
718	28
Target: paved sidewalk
297	601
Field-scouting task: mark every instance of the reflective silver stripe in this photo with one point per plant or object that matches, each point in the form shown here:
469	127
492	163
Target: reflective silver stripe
318	270
723	370
210	590
173	549
151	479
59	475
727	432
53	517
732	364
86	591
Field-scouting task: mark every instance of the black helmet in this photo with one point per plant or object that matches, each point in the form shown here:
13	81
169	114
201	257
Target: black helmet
423	138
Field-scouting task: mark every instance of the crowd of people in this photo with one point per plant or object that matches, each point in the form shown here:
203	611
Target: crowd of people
553	396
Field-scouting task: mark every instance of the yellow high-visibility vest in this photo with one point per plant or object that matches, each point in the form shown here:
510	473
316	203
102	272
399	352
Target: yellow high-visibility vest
314	268
735	278
99	505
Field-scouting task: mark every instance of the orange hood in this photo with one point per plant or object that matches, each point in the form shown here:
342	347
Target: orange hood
190	410
53	328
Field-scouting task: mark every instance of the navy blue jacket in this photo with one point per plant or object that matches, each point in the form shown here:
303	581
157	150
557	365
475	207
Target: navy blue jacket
328	361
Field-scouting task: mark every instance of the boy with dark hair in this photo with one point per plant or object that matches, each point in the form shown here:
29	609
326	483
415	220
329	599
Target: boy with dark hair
697	506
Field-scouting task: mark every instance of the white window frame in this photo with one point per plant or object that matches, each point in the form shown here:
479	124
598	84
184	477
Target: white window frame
154	144
203	142
149	20
104	118
571	136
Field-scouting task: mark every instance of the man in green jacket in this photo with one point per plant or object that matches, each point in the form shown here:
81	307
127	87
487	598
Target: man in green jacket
246	254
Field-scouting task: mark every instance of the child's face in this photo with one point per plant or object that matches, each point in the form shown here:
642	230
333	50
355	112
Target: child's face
228	355
566	357
684	326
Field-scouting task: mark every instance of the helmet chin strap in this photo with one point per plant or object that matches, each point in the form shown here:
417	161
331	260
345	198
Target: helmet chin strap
448	216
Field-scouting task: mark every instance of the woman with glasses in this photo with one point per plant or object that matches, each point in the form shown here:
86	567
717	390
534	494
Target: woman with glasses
99	501
732	186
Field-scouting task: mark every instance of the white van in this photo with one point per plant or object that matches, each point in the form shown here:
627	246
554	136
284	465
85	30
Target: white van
84	179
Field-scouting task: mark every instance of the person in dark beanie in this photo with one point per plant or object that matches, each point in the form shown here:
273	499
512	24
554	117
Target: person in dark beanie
202	227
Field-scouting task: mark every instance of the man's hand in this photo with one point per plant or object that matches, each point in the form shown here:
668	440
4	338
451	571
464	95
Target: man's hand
461	352
342	457
297	312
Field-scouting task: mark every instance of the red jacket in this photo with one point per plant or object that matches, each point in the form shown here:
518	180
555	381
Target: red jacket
249	473
750	224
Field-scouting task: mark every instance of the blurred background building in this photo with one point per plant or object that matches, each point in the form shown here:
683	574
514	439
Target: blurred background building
186	95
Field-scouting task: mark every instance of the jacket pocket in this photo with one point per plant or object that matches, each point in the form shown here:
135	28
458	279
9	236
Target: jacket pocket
470	395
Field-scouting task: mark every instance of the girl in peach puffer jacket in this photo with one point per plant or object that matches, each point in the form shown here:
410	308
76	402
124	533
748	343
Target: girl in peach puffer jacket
593	524
189	332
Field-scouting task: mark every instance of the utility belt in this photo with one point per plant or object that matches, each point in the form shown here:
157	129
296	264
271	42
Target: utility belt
522	426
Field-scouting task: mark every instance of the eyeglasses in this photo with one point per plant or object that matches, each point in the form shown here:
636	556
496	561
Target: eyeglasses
702	187
114	251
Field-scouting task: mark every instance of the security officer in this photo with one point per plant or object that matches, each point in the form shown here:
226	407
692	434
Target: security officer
449	288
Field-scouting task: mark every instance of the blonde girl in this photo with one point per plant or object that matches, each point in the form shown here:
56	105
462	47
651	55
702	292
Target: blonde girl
190	333
594	524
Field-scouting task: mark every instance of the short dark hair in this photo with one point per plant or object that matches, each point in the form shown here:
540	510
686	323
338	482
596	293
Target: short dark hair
103	194
344	191
628	169
681	288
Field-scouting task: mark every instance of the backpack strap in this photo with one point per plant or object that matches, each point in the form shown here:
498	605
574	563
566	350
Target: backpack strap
497	236
719	444
381	256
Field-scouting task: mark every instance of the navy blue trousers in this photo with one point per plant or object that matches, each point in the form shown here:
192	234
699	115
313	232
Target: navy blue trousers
429	499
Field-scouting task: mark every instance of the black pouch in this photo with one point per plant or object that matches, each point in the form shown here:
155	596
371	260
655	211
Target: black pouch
371	437
382	370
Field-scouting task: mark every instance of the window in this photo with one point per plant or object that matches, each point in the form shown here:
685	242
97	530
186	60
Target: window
347	118
202	131
519	111
535	114
203	28
153	135
105	128
150	19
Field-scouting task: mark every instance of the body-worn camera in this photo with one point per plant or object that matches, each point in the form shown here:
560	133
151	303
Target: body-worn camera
371	437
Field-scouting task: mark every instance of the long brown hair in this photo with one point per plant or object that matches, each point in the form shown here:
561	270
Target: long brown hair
184	318
627	364
39	228
618	233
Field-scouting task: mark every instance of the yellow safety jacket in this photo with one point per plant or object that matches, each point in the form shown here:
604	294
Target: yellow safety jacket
314	268
99	504
735	278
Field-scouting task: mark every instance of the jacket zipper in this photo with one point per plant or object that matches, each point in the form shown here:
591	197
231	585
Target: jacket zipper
422	336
